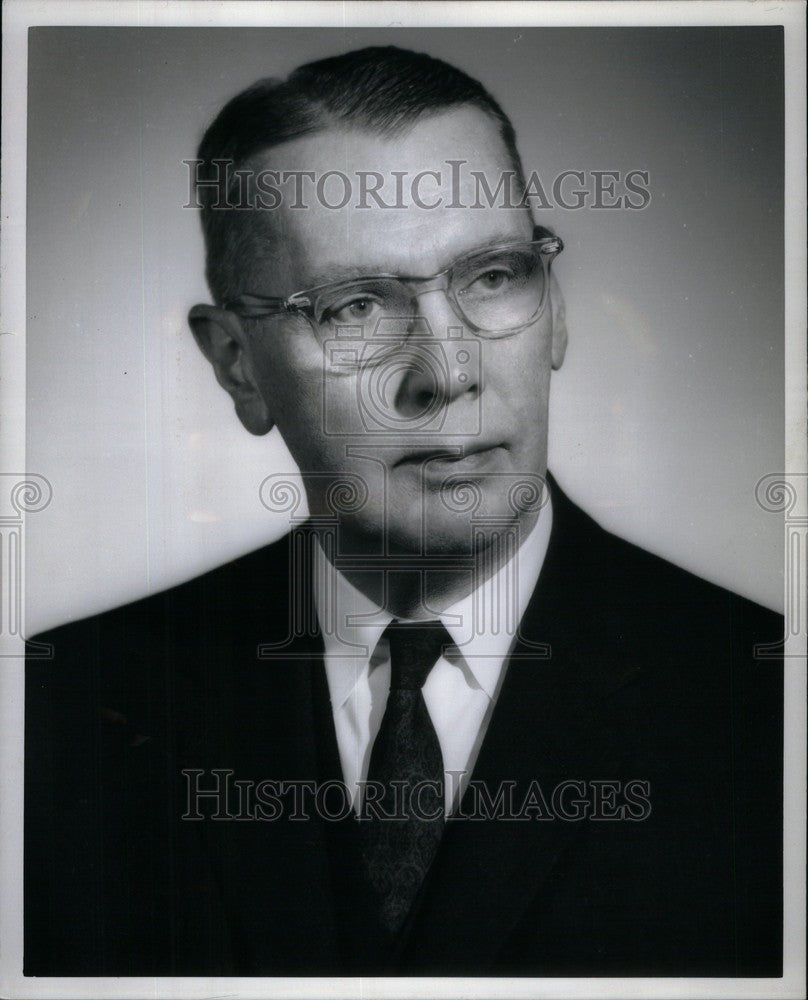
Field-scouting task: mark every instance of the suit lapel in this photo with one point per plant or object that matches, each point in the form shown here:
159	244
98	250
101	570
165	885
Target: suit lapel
555	721
274	873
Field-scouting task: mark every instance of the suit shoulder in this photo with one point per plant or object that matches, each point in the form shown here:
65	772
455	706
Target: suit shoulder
658	579
622	573
261	570
131	652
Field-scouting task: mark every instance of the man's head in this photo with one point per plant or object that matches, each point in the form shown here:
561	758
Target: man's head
422	410
381	91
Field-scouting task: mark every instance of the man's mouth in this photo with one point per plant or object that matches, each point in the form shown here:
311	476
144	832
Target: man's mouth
454	458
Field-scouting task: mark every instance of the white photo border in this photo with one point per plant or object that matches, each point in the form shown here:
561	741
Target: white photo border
18	16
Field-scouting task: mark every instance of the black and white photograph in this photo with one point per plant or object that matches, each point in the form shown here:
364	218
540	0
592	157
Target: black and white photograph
404	500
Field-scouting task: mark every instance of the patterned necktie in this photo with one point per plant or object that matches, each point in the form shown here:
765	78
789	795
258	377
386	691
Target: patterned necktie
406	768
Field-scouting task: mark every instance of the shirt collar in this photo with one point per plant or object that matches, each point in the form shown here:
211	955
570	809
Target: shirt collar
351	625
485	622
482	625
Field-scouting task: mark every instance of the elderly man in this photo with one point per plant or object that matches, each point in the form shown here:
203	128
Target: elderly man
448	725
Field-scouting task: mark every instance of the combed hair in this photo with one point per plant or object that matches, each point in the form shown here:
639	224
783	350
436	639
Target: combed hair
383	90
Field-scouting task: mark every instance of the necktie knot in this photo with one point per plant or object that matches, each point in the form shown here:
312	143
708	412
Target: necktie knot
414	649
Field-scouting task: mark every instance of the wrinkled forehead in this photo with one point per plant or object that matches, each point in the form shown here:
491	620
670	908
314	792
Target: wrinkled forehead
350	201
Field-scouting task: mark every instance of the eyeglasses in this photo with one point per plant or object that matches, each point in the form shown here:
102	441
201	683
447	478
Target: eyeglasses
496	291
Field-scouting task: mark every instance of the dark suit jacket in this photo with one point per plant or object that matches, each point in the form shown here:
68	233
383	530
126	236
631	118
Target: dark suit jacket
651	677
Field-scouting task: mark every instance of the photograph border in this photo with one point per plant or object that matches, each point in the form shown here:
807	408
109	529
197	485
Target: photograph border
786	490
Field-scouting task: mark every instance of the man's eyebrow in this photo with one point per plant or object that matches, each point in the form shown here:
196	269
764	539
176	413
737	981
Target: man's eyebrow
341	272
347	272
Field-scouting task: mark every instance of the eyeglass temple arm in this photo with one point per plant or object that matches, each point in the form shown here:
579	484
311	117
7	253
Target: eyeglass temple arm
248	305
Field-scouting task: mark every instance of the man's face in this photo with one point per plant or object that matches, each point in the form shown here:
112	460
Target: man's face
446	427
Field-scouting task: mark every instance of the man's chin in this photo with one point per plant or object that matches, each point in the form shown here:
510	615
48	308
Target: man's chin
456	519
453	524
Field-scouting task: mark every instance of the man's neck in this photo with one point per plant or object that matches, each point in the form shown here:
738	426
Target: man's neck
411	586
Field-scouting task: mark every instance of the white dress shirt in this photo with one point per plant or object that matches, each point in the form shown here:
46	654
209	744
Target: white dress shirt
461	689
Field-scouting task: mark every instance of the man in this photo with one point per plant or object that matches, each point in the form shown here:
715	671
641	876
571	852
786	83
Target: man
448	726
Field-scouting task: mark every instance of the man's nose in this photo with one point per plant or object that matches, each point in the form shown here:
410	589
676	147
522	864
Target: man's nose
443	357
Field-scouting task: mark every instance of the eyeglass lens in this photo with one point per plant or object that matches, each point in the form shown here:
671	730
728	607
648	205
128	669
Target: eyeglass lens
496	292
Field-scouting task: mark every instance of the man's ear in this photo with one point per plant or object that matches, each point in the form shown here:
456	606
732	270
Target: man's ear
559	318
223	340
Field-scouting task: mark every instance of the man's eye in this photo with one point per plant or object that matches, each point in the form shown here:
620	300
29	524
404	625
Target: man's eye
359	310
492	280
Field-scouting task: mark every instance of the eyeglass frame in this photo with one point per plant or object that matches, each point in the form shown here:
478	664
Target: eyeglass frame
251	306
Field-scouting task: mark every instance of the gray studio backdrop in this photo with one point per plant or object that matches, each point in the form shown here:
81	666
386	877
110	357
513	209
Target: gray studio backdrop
670	404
